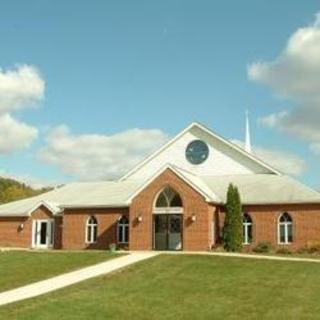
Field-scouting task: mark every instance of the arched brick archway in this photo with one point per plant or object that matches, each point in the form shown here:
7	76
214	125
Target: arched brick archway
196	233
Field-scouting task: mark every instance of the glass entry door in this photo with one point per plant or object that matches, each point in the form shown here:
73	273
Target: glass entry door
43	233
167	231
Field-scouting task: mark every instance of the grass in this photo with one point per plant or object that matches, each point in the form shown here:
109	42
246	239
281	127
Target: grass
186	287
18	268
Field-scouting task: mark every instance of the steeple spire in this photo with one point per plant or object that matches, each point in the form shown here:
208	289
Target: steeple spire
248	139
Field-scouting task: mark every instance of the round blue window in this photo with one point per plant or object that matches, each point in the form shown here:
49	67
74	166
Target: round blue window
197	152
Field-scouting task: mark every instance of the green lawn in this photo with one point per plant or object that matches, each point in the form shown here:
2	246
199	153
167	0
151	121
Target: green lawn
18	268
186	287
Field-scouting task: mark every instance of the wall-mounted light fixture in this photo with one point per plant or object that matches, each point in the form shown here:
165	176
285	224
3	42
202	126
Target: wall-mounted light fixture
21	227
193	217
139	218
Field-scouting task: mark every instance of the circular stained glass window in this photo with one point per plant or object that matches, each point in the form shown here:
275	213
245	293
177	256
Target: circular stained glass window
197	152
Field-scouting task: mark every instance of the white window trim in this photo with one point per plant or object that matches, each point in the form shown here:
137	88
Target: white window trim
169	210
285	224
123	233
246	235
91	231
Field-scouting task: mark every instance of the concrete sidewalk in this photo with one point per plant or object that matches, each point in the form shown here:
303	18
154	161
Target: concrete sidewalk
67	279
245	255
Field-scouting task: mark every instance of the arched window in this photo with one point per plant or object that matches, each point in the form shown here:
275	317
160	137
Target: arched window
247	229
123	230
168	198
91	230
285	228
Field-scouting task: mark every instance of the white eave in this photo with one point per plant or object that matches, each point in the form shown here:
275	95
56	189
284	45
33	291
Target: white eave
52	207
213	134
188	178
88	206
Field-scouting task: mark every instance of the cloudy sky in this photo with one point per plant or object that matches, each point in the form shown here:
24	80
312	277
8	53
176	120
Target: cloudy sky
87	88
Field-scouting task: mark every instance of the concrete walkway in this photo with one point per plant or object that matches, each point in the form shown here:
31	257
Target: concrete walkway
245	255
67	279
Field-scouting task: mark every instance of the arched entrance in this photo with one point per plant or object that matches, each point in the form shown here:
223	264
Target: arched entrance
167	220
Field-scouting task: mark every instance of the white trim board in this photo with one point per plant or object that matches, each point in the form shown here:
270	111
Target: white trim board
208	198
211	133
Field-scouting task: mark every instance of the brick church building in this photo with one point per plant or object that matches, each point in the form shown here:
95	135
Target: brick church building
173	200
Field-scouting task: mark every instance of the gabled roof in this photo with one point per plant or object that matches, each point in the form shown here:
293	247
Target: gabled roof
75	195
52	207
194	181
102	194
255	189
211	133
265	188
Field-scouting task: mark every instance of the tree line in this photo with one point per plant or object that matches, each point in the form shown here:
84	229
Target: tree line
11	190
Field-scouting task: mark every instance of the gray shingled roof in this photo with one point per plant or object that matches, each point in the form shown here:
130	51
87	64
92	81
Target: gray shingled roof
263	189
80	194
254	189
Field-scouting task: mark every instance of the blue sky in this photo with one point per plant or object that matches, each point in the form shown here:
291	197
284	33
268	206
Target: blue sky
110	66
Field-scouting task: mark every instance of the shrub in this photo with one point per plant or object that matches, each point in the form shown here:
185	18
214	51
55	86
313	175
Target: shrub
232	229
303	250
262	247
219	249
313	246
284	251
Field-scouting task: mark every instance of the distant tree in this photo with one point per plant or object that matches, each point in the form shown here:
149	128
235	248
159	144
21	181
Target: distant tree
232	230
11	190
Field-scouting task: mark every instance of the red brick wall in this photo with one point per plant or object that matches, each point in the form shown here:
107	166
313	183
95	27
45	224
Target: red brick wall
306	224
195	234
58	232
74	227
12	236
70	229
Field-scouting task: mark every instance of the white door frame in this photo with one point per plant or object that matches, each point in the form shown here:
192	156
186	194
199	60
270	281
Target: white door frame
36	233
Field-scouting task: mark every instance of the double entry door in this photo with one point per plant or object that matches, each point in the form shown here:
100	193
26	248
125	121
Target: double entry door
167	231
43	233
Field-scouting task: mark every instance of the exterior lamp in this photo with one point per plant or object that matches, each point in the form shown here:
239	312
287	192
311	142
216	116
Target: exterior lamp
21	227
193	218
139	218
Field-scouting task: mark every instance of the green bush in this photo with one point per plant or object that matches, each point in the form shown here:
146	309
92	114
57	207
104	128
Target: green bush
232	229
313	247
284	251
303	250
219	249
262	247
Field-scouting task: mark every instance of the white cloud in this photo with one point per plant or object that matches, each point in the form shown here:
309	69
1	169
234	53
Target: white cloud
93	156
295	75
273	119
286	162
20	87
15	135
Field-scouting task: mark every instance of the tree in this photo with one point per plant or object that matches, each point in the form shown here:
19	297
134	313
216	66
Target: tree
232	230
11	190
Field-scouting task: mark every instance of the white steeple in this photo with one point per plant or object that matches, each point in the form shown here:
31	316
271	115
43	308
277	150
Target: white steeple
248	139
